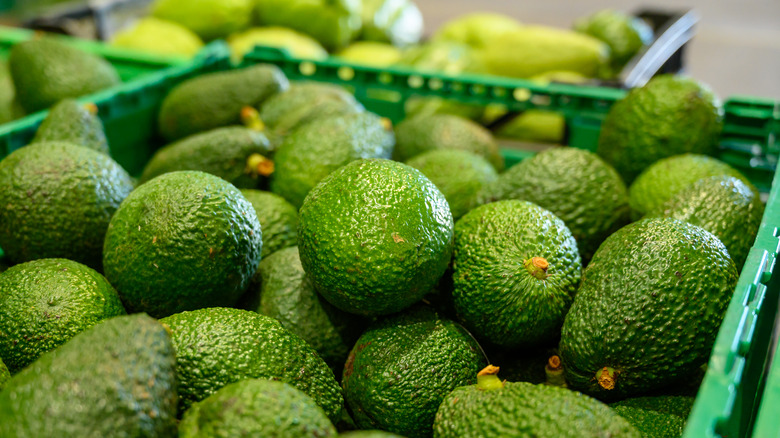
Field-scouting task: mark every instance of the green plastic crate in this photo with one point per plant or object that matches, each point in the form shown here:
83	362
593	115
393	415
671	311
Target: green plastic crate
768	420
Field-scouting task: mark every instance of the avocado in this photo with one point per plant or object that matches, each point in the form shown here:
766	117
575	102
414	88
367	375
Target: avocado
115	379
217	346
45	303
723	205
668	116
476	29
458	174
575	185
58	199
368	434
315	150
518	409
9	106
158	36
334	23
375	236
216	99
182	241
648	310
5	375
278	220
656	417
625	35
370	54
402	367
286	294
305	102
209	19
445	131
664	179
256	407
236	154
297	44
516	269
399	23
75	123
45	71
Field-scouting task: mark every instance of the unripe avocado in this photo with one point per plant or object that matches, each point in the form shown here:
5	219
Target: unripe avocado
218	346
45	303
278	220
368	434
657	416
256	407
74	123
58	199
216	99
182	241
375	236
648	310
115	379
5	375
45	71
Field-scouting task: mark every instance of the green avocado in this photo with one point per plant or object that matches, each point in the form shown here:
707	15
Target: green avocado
334	23
625	35
458	174
45	71
723	205
445	131
115	379
278	220
236	154
9	106
58	199
668	116
402	367
518	409
217	99
182	241
656	417
516	269
209	19
217	346
368	434
315	150
375	236
256	407
575	185
45	303
648	310
75	123
5	375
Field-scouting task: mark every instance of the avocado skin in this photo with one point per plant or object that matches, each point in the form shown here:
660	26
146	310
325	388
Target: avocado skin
182	241
278	220
45	303
495	296
5	375
218	346
668	116
658	416
214	100
368	434
115	379
723	205
222	152
523	409
574	184
402	367
315	150
69	121
58	199
445	131
46	71
256	407
649	306
392	249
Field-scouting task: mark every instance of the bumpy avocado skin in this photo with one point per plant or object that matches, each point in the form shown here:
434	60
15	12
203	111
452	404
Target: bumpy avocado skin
256	407
658	416
495	294
45	303
70	121
218	346
445	131
5	375
182	241
669	116
278	219
116	379
403	366
368	434
649	308
223	152
574	184
58	199
375	236
216	99
315	150
523	409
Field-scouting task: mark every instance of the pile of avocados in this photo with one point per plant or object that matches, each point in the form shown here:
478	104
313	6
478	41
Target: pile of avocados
291	264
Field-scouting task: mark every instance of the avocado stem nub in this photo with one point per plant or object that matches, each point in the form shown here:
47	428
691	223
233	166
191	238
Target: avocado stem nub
537	267
91	108
554	372
606	378
257	164
251	119
487	379
386	123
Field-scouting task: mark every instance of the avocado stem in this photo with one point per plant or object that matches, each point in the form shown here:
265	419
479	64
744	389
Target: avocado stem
257	164
251	119
386	123
607	378
91	108
537	267
488	380
554	372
